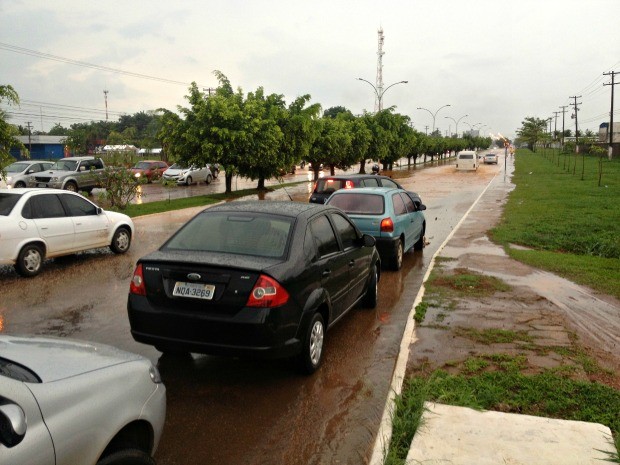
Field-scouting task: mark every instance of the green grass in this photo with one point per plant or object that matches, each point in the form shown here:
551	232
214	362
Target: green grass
548	394
570	225
462	282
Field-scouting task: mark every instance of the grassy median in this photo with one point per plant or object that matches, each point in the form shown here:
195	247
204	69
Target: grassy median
563	222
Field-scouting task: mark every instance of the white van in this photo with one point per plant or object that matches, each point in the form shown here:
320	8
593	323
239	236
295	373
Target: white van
467	160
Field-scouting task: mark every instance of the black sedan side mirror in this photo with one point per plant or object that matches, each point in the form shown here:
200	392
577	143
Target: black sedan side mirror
368	240
12	424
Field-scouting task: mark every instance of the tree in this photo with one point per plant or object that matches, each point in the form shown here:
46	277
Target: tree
333	112
58	130
8	132
531	131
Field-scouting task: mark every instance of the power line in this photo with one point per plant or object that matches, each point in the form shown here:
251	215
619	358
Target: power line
49	56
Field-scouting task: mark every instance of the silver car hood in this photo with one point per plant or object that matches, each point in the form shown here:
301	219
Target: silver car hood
53	359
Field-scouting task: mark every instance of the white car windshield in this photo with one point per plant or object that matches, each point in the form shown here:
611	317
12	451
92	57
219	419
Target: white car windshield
64	165
17	167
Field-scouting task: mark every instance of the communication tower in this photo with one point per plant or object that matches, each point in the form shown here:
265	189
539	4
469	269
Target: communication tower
379	86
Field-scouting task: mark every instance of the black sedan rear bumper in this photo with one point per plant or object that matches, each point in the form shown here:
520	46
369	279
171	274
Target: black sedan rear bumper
252	332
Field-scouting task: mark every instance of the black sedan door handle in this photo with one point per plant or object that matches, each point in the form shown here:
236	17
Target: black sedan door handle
326	273
352	263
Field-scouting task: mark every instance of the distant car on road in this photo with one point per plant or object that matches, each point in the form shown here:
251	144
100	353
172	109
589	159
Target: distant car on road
182	174
326	186
491	158
17	173
467	160
67	402
255	279
36	224
394	217
149	169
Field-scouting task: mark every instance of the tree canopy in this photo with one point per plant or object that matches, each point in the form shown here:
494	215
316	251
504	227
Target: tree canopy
8	132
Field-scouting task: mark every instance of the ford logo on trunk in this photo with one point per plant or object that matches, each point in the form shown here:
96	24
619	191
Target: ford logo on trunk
194	276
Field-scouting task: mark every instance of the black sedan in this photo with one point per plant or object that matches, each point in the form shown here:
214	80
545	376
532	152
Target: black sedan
261	279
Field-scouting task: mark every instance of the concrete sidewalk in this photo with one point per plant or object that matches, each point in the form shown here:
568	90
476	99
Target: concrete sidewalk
459	435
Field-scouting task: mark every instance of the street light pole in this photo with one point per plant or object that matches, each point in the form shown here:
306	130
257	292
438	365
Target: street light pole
457	123
433	114
380	94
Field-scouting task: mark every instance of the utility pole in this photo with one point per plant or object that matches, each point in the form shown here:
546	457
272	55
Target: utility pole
563	107
209	90
29	126
555	134
611	113
426	130
105	97
576	105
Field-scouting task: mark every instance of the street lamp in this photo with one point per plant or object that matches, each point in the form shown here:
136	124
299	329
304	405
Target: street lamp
379	93
433	114
456	122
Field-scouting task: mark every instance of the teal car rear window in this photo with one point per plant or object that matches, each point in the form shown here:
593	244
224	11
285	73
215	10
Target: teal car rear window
359	204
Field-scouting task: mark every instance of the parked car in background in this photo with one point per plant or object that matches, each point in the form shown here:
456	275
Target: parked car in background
394	217
67	402
149	169
36	224
182	174
75	174
254	279
491	158
326	186
17	173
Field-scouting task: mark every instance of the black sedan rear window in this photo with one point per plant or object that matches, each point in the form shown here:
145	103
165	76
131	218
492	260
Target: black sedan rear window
360	204
236	233
327	186
7	202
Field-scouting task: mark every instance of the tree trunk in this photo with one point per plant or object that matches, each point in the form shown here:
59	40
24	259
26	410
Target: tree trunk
261	183
316	170
332	170
362	167
229	178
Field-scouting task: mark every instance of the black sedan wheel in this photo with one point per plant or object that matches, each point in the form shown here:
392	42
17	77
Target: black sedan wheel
312	350
372	291
29	260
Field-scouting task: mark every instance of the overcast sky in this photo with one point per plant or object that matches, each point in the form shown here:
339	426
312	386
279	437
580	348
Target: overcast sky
496	60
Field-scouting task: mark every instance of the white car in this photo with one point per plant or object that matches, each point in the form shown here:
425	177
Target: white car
40	223
17	173
182	174
67	402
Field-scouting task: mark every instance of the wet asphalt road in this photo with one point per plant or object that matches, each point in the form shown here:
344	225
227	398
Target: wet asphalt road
232	411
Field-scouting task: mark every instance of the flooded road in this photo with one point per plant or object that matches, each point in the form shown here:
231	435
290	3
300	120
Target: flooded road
232	411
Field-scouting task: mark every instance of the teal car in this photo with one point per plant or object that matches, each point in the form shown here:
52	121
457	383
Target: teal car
394	217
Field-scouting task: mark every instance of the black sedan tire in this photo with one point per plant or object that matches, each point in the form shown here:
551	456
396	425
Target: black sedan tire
312	348
29	260
127	457
371	297
121	241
